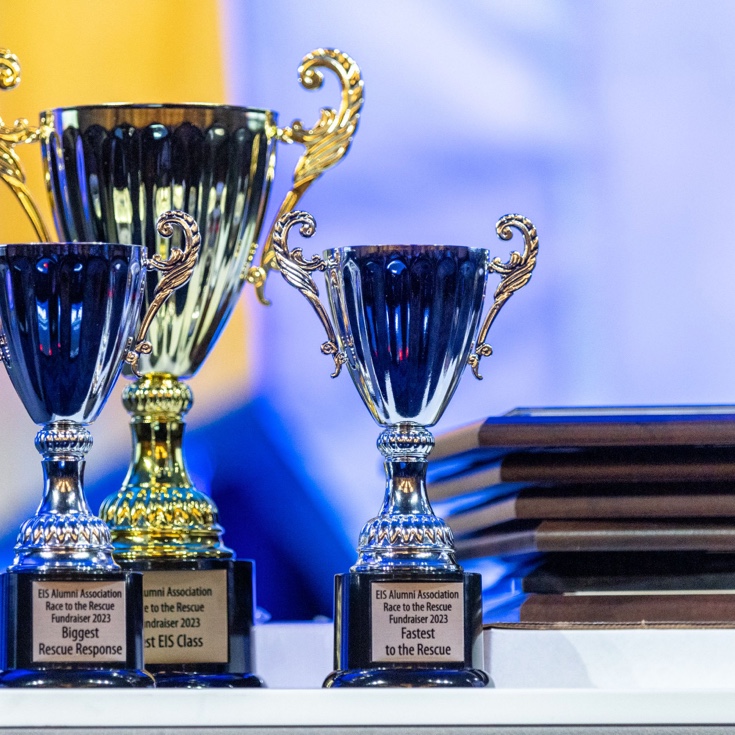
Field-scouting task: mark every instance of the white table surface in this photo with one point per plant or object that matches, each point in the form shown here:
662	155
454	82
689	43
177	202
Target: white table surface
58	708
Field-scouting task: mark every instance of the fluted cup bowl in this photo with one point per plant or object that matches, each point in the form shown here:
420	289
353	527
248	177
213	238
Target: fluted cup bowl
406	316
67	312
112	169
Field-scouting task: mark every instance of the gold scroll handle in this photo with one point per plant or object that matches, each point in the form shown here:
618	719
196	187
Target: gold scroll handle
296	271
176	272
11	169
325	144
514	274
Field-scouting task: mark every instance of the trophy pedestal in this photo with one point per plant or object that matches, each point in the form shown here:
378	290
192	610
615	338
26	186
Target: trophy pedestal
70	629
413	629
198	615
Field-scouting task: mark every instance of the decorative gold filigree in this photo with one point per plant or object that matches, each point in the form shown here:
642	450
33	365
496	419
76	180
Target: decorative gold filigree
296	271
325	144
9	69
11	169
514	274
177	271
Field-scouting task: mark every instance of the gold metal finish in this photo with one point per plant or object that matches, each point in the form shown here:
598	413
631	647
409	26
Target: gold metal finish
296	271
325	144
11	169
159	513
176	272
515	274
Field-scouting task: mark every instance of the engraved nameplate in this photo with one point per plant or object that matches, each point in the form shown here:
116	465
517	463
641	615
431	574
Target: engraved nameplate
79	622
417	622
185	617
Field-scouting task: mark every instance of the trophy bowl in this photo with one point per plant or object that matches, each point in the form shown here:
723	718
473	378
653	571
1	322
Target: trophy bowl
111	169
404	320
68	313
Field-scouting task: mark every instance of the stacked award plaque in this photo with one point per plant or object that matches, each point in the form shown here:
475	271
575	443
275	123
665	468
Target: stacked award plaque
160	209
600	515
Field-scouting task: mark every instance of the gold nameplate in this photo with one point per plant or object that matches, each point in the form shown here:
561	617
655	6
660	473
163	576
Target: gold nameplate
417	622
79	621
185	617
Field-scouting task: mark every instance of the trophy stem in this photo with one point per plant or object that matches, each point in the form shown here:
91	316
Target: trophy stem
158	513
63	533
406	534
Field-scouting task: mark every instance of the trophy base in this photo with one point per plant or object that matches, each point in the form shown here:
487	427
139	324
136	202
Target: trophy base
207	681
198	615
407	677
75	678
67	628
408	628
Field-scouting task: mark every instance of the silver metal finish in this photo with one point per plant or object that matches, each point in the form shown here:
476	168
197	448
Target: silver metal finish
64	532
69	312
403	321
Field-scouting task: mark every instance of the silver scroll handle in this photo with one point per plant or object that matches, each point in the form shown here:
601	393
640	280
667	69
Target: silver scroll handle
296	271
514	274
176	271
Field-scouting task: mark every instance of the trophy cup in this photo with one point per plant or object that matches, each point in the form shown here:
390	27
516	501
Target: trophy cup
72	617
111	169
406	316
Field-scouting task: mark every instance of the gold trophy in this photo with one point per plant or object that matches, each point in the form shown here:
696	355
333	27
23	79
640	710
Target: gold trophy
111	170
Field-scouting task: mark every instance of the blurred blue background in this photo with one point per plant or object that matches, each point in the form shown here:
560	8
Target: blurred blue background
608	124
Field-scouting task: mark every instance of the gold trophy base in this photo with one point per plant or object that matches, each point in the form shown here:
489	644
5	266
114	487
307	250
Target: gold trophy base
164	527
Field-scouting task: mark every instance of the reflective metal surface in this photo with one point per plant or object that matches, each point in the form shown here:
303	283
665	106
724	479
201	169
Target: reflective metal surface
406	315
11	170
114	168
325	145
175	271
67	310
404	320
158	511
67	316
514	274
111	170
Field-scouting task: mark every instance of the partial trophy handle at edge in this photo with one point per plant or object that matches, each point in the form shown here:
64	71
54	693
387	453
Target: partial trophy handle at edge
11	169
4	351
296	271
176	271
325	145
514	274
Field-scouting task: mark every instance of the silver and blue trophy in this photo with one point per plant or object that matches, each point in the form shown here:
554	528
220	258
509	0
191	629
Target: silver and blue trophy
406	324
70	317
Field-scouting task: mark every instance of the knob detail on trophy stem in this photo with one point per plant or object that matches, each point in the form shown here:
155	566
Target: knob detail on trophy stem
63	533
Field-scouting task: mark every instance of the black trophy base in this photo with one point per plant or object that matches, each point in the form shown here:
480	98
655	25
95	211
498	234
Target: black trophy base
54	620
75	678
207	681
391	628
217	618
